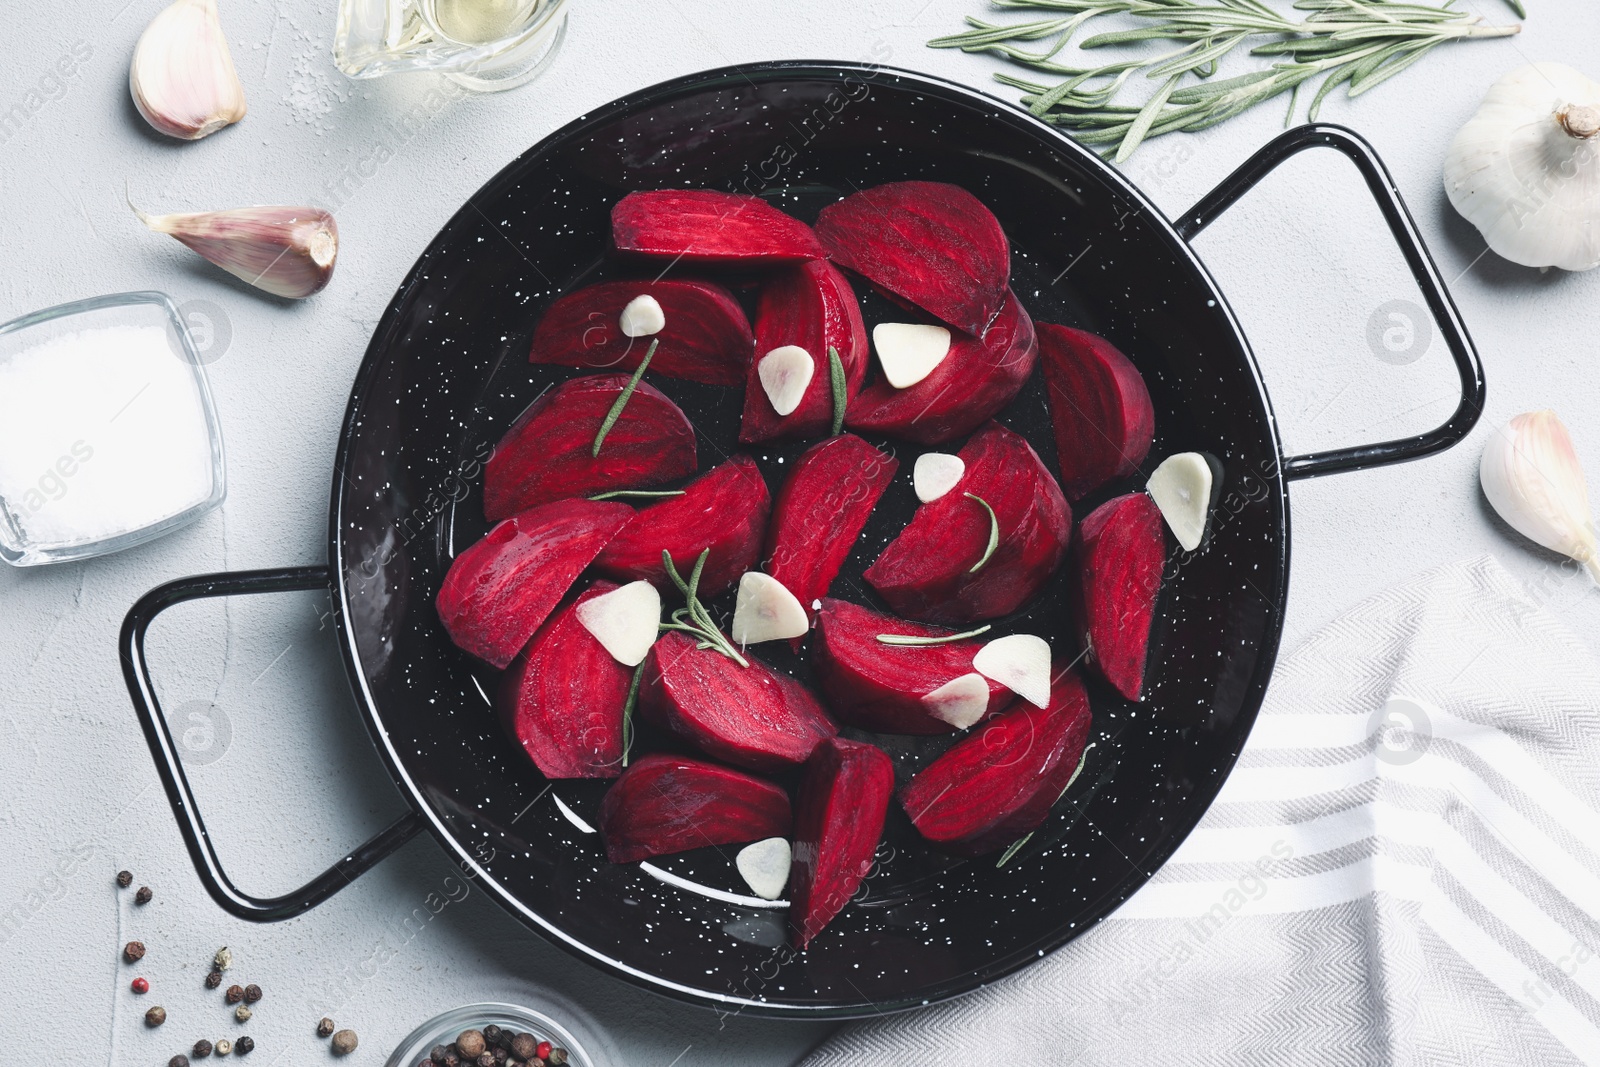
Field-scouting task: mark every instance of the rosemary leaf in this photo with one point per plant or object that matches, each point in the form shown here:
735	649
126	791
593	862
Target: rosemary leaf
948	639
622	400
1013	849
613	494
1136	133
841	389
994	533
1016	846
627	712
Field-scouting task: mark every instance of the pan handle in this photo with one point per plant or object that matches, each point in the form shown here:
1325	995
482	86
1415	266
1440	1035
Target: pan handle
141	688
1442	308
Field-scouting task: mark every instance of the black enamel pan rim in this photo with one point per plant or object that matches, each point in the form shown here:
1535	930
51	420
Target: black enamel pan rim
809	70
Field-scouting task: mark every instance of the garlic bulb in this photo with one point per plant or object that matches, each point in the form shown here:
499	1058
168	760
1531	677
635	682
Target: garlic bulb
182	75
288	251
1530	474
1525	170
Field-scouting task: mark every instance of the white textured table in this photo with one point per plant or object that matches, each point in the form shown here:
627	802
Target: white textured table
1305	262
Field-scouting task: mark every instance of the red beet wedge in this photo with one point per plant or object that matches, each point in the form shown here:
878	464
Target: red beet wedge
930	243
820	512
880	687
548	453
499	591
707	337
665	804
1121	553
562	699
1101	410
843	798
751	716
810	305
1001	782
926	572
973	382
706	226
725	510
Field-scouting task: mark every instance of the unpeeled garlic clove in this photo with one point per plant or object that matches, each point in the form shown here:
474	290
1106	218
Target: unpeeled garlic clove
288	251
182	75
1531	476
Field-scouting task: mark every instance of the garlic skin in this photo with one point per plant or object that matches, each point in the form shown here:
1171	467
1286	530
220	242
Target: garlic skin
1530	475
288	251
182	75
1525	170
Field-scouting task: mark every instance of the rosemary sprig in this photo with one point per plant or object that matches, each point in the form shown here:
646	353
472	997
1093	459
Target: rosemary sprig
1362	43
613	494
948	639
627	713
693	618
622	400
1016	846
841	389
994	533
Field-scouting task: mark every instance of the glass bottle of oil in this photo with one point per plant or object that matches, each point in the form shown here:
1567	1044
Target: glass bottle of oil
485	45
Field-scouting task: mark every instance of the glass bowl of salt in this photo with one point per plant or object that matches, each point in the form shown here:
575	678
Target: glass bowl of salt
108	434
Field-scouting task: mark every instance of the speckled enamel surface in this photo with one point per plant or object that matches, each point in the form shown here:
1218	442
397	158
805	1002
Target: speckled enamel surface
447	371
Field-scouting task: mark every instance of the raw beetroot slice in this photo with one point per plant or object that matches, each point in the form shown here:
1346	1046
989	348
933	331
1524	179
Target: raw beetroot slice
880	687
926	572
1000	783
843	799
548	453
813	307
707	337
1099	405
706	226
931	243
562	699
820	512
1121	553
751	716
973	382
499	591
665	804
725	510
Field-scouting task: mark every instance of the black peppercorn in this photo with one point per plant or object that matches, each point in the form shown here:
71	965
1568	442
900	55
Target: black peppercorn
426	1062
452	1058
124	878
436	1053
244	1046
202	1049
234	994
491	1034
213	979
485	1059
178	1061
155	1016
133	951
143	895
522	1046
324	1027
252	993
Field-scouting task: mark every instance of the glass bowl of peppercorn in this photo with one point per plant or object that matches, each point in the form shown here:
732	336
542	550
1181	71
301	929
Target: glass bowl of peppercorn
490	1035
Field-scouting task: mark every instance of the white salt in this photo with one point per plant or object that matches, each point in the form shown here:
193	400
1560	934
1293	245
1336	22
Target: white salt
102	432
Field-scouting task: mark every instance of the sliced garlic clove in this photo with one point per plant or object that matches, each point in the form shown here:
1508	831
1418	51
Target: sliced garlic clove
625	621
1021	663
909	351
785	375
1181	488
1531	476
960	701
288	251
935	474
182	77
643	317
764	866
765	610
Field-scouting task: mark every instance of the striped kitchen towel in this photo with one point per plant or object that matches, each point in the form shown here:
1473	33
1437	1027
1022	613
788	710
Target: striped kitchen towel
1403	869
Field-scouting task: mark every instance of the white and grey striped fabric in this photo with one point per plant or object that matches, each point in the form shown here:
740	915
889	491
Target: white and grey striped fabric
1403	869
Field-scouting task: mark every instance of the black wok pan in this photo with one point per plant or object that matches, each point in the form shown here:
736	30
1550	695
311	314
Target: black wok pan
446	371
